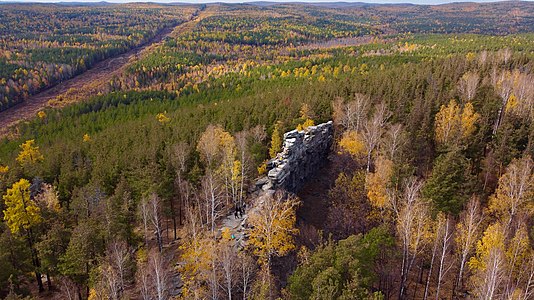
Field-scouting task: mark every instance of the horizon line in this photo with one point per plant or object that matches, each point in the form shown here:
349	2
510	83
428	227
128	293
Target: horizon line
378	2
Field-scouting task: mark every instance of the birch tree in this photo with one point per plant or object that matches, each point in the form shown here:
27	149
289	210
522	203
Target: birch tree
248	268
468	230
179	156
159	276
242	139
505	55
412	227
489	264
445	241
227	257
353	143
338	112
435	243
378	184
514	191
454	123
523	92
48	198
526	291
154	211
118	255
393	142
273	228
143	283
373	130
108	287
230	167
503	85
217	151
355	112
196	257
468	85
144	213
482	58
517	254
213	200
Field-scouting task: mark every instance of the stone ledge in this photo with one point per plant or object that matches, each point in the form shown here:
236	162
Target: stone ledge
302	153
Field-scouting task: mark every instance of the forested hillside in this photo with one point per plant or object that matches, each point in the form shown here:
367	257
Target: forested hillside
428	192
41	45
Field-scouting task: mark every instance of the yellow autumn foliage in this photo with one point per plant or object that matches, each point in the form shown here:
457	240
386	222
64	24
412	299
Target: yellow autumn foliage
262	169
447	121
273	227
305	111
29	153
512	103
20	211
376	183
305	125
276	141
493	238
196	258
468	120
215	145
236	171
4	169
515	190
453	122
92	294
519	249
352	143
470	56
162	118
226	234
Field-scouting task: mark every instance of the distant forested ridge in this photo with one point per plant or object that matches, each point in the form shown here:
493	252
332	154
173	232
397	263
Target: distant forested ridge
41	45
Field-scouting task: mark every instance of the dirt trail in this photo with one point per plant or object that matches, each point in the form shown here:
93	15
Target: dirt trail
86	84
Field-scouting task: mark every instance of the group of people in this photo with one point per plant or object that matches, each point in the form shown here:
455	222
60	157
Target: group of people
239	211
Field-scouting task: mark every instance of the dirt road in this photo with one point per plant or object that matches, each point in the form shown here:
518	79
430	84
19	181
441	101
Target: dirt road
83	84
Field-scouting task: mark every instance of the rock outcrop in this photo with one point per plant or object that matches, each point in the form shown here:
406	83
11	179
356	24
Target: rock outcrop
302	153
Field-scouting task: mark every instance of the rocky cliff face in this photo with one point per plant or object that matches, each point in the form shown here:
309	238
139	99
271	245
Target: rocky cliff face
302	153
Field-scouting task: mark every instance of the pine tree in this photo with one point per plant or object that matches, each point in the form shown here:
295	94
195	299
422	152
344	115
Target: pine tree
449	184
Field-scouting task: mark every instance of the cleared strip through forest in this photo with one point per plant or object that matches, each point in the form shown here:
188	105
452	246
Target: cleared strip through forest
84	85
